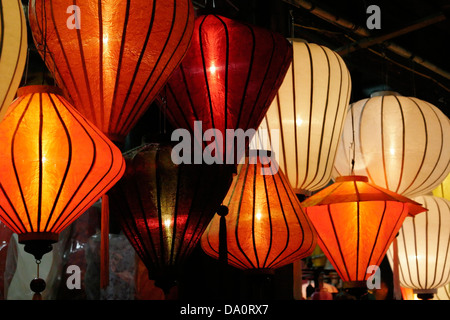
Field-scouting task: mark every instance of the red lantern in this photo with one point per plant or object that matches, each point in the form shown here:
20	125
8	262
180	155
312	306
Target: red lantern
112	57
266	227
228	78
356	222
54	166
164	208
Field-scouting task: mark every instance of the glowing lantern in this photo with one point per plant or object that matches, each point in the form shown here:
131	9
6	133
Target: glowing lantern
424	248
356	222
112	57
13	50
227	80
309	112
54	165
266	226
164	208
400	143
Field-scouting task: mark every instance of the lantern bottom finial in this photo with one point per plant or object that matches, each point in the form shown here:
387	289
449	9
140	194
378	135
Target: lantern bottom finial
38	243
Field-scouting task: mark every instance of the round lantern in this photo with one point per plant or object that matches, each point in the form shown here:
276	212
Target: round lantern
13	50
266	227
227	80
308	115
164	208
112	57
356	221
400	143
424	248
54	166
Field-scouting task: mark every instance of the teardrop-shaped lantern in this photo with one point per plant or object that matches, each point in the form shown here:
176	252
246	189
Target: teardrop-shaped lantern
164	208
13	50
400	143
112	57
424	248
54	166
356	221
305	121
266	227
227	80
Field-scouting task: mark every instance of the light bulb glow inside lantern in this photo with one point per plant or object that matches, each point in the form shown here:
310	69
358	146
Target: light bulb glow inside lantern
167	223
212	69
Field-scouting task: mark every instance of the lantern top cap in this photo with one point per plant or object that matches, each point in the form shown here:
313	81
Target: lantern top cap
38	89
384	93
352	178
343	190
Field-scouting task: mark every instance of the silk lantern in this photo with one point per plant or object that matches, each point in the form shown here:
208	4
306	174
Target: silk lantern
308	115
424	248
226	81
400	143
55	165
266	227
356	221
163	207
13	50
112	57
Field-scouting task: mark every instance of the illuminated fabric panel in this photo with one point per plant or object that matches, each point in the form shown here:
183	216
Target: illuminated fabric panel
13	50
54	164
114	65
266	226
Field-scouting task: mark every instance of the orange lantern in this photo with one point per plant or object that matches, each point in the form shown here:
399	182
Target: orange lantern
112	57
356	222
266	227
54	165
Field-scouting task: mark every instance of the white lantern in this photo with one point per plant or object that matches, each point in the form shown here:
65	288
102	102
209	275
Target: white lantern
400	143
305	121
424	247
13	50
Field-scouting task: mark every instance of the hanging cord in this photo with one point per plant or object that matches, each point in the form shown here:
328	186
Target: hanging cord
37	285
27	65
352	146
223	247
104	243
